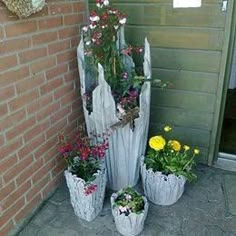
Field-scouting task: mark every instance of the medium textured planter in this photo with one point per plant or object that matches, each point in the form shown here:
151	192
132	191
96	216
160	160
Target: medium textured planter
126	144
133	223
160	188
86	207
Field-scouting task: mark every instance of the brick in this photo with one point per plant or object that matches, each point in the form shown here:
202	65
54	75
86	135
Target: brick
13	76
75	41
37	187
57	71
58	46
31	55
42	13
20	128
55	128
31	146
7	62
79	7
68	98
28	172
11	147
71	76
7	227
73	65
75	115
7	16
45	147
29	207
12	119
6	190
59	93
1	33
51	85
47	111
74	19
49	23
30	83
7	162
36	130
37	176
52	155
52	186
60	114
59	168
7	93
43	65
18	193
22	28
14	170
43	38
42	102
2	141
23	100
59	8
14	45
68	32
66	56
3	111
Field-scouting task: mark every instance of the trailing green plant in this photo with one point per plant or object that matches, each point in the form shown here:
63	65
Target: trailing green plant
170	156
129	201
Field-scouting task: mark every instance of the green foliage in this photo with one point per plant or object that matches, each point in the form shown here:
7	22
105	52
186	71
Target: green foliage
129	201
170	157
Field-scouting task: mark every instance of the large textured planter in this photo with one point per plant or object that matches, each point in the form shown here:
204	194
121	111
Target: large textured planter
86	207
160	188
126	144
133	223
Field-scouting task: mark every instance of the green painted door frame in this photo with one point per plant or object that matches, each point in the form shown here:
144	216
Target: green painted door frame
226	63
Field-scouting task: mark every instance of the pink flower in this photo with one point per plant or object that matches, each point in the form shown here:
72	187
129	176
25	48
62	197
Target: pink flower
90	189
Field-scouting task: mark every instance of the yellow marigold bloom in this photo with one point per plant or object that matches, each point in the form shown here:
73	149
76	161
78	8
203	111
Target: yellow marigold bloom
196	151
157	143
175	145
167	129
186	148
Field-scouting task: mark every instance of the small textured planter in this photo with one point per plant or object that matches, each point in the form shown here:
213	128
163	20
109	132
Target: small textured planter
160	188
133	223
86	207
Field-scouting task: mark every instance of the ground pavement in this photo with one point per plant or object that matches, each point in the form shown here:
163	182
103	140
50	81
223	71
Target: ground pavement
207	208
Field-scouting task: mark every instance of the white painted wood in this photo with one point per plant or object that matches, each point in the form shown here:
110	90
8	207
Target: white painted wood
86	207
126	145
160	188
133	223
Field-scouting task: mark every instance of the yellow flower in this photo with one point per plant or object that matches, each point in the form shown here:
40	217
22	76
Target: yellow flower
167	129
186	148
196	151
157	143
175	145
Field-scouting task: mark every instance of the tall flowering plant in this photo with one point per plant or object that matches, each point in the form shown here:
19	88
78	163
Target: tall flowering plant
83	157
102	46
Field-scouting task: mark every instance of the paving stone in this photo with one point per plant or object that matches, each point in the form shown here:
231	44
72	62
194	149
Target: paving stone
230	189
201	211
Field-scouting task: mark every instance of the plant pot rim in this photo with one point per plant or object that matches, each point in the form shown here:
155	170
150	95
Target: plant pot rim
160	173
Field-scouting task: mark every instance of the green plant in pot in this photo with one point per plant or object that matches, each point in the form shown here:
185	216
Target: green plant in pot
166	167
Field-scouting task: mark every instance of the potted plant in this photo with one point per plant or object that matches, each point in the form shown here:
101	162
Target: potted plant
85	174
129	209
165	169
116	95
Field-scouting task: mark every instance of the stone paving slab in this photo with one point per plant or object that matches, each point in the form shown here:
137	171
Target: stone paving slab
230	190
201	211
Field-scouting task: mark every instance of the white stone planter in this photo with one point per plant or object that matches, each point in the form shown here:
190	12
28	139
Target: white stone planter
160	188
126	145
133	223
86	207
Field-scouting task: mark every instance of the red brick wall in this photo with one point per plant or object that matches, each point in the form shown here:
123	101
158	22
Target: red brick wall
39	97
